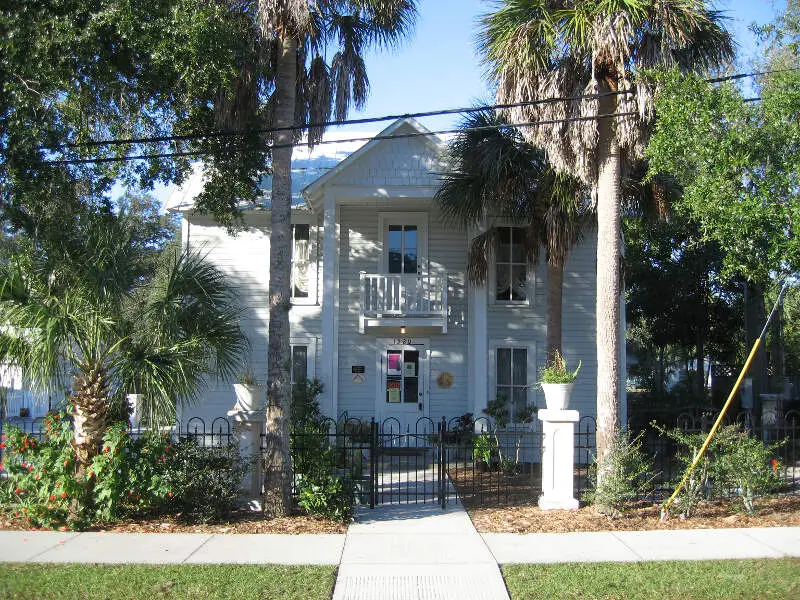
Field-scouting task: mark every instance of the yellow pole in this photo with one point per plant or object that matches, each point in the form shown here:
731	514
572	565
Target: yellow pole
665	509
713	429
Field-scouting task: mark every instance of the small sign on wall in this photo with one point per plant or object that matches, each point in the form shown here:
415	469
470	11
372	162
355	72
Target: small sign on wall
358	373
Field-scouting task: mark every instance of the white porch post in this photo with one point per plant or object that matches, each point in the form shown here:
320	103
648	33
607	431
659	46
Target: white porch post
478	338
329	361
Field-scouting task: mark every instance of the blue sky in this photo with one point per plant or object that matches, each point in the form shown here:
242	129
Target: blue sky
437	68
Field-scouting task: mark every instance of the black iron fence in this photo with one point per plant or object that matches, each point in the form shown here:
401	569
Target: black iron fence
472	460
216	433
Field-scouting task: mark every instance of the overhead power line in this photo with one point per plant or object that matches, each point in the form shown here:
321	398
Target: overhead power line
432	113
268	130
110	159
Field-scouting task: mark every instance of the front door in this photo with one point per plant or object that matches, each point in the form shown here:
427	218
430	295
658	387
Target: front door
403	392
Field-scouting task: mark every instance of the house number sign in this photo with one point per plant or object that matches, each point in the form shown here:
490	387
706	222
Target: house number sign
403	341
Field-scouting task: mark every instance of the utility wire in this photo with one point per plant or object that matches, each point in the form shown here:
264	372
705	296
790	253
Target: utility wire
267	130
110	159
432	113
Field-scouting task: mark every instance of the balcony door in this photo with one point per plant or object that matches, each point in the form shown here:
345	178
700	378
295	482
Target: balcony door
405	243
403	385
405	259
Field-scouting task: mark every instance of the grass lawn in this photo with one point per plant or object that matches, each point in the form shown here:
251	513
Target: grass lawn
20	581
673	580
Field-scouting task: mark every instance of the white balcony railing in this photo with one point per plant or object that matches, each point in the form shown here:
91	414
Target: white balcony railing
394	300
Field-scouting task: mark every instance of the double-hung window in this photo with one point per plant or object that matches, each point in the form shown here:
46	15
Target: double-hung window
512	365
303	357
511	267
301	261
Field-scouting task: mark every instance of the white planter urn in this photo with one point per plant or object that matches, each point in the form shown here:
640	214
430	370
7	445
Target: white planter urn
249	398
135	402
556	395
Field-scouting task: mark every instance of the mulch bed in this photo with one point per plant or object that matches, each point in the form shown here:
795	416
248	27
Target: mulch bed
770	512
244	521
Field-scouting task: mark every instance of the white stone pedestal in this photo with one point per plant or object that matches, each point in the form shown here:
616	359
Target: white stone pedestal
247	427
558	427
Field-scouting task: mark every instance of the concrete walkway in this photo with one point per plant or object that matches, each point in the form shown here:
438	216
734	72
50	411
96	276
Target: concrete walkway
404	552
417	552
633	546
170	548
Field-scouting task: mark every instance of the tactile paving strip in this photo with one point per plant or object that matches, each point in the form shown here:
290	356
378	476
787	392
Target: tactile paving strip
414	587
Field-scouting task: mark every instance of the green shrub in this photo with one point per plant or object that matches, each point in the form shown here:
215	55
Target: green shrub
627	473
745	464
734	462
316	461
484	448
329	496
41	480
204	481
126	477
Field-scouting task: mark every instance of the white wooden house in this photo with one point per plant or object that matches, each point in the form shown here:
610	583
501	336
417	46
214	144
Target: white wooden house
382	312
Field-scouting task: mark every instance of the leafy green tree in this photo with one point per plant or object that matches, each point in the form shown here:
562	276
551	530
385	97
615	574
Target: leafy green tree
702	320
307	88
98	314
737	162
494	174
76	71
596	50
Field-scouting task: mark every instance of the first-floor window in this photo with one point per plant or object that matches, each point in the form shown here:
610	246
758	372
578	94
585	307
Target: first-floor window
299	367
511	382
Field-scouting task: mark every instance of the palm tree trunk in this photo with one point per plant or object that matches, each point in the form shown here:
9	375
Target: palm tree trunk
278	467
555	290
609	254
90	419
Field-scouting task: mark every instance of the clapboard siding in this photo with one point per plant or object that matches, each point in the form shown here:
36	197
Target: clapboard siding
529	324
400	162
395	176
360	250
244	259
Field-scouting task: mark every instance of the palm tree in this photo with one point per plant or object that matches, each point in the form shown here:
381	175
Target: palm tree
99	314
494	173
306	89
597	51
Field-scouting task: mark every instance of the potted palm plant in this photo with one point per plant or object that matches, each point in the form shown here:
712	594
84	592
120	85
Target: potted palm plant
249	393
556	382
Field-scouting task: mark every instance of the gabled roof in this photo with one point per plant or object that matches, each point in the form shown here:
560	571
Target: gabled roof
401	127
311	168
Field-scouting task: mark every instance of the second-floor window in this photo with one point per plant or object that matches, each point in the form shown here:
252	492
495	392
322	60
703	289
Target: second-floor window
403	247
301	255
511	266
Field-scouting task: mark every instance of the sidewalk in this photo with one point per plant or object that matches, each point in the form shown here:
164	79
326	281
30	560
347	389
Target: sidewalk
170	548
415	552
417	549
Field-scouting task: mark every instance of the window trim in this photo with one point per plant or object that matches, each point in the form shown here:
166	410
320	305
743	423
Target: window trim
311	355
513	343
420	219
492	281
313	261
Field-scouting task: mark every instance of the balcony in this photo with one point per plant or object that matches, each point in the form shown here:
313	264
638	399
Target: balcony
403	300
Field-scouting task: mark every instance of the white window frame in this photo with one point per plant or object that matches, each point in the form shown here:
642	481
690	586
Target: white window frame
420	219
311	356
530	281
313	261
513	343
